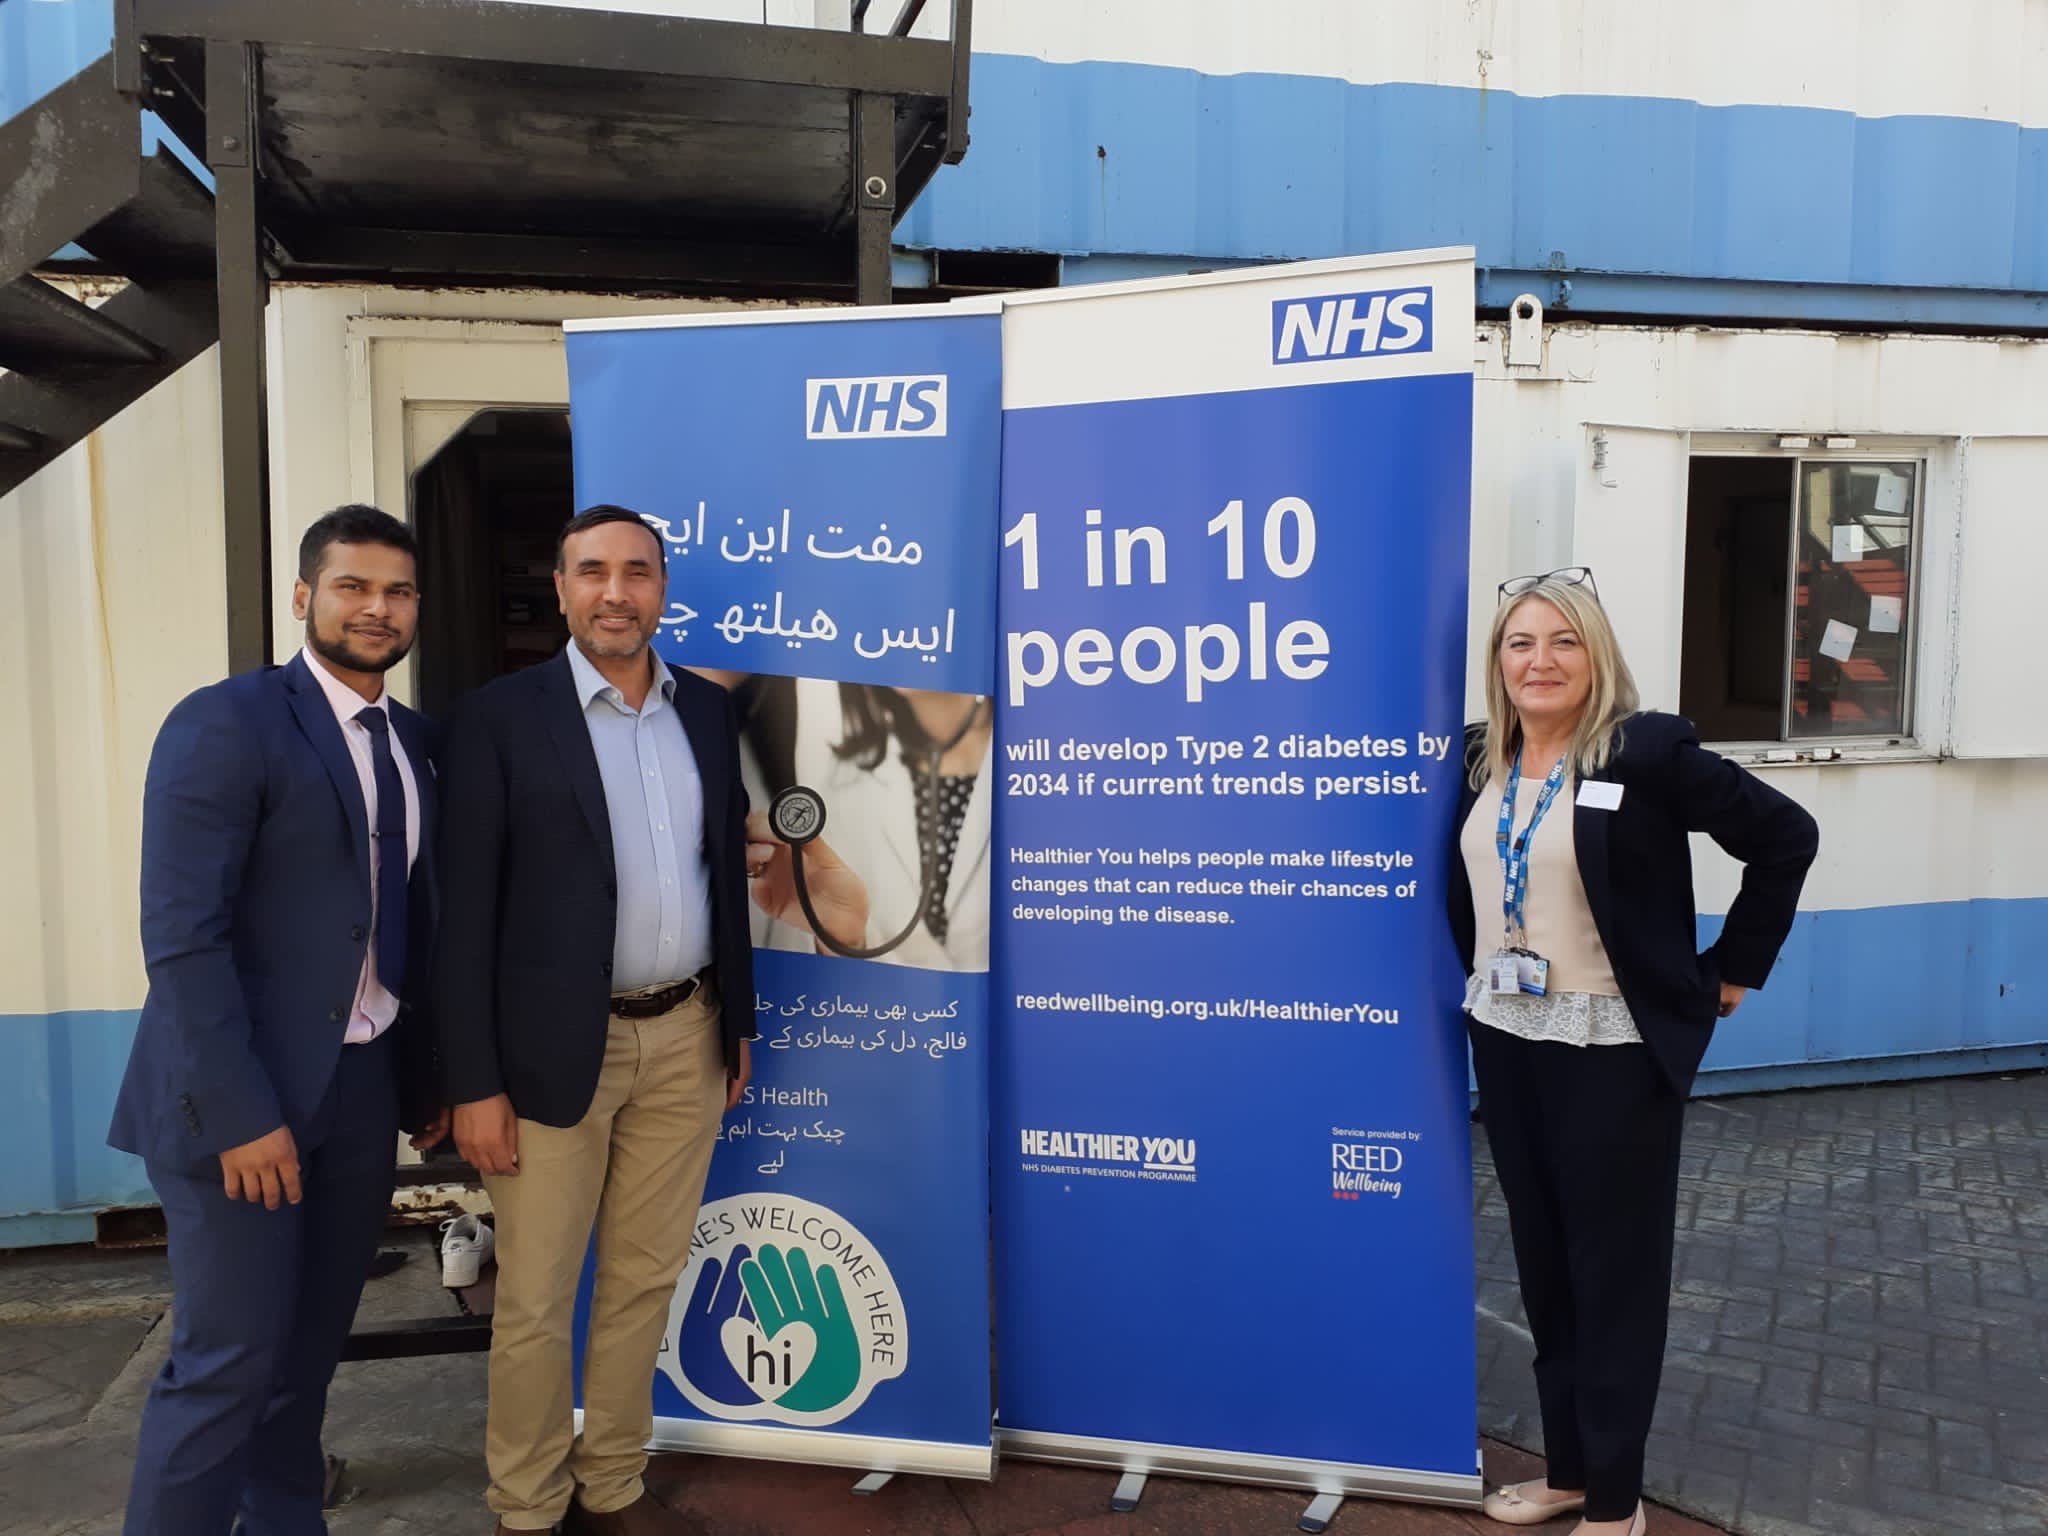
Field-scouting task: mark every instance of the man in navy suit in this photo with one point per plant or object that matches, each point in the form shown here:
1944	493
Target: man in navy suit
287	908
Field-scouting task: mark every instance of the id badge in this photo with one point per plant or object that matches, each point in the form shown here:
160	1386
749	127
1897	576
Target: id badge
1532	973
1503	975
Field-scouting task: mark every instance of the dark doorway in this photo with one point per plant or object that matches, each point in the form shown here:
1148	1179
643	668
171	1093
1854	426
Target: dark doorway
1732	666
486	510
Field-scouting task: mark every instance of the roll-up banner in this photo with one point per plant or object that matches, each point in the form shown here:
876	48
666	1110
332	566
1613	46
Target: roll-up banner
826	484
1230	1139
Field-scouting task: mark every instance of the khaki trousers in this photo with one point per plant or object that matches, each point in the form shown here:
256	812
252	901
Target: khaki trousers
631	1172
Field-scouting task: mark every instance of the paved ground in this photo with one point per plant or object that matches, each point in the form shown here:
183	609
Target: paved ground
412	1430
1858	1349
1859	1341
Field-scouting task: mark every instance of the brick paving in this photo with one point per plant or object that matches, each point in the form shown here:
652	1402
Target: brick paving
1859	1337
412	1431
1859	1329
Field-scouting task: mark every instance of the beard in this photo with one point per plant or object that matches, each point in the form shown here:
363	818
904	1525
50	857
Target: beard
340	650
619	647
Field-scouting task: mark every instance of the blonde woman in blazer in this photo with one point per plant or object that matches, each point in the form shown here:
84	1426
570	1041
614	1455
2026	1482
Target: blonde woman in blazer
1582	1088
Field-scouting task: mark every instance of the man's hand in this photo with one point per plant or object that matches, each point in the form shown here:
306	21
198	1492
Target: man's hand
433	1132
265	1169
836	891
736	1082
487	1134
1731	998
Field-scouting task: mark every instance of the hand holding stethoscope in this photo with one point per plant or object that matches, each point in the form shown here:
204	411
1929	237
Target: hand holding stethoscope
837	894
798	879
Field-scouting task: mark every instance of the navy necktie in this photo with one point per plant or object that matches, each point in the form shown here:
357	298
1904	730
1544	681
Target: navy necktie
393	868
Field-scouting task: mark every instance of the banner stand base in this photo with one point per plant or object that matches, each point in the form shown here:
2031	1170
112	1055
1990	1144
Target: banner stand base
1322	1509
1130	1488
1338	1478
872	1455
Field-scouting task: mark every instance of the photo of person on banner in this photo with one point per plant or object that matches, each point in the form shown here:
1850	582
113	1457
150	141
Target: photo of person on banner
899	870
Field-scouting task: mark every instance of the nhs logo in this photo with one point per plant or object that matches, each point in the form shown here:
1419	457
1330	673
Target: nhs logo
905	406
1351	325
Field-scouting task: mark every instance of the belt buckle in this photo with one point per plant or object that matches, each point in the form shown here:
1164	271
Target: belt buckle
652	1005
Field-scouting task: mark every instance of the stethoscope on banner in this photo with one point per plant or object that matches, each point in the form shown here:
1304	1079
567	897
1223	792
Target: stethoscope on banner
797	815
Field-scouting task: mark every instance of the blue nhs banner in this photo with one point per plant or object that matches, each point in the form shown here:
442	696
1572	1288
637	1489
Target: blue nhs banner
1341	325
826	485
1230	1141
816	482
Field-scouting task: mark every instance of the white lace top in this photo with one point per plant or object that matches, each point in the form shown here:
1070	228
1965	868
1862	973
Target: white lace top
1571	1018
1584	1005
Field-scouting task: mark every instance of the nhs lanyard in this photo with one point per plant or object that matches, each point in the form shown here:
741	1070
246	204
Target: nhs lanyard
1514	855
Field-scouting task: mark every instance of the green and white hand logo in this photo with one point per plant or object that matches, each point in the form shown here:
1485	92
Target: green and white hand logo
762	1327
786	1295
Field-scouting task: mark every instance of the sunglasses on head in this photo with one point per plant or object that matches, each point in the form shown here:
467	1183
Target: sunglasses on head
1565	576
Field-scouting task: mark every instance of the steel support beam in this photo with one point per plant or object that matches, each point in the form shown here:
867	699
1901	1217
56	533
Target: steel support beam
233	93
569	37
464	256
874	194
958	109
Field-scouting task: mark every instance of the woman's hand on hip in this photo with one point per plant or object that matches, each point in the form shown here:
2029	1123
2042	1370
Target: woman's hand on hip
1731	998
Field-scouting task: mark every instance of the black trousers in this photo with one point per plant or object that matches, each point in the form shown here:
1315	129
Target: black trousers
1585	1143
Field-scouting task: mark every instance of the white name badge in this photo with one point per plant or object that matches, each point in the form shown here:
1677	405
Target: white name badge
1599	795
1502	976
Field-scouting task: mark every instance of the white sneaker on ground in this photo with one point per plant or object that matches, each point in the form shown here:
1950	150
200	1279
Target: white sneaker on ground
467	1245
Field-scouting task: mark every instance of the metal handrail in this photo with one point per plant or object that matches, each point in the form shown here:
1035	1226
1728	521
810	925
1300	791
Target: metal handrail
906	18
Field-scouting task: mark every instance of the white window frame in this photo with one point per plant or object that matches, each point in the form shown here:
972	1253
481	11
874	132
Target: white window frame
1931	586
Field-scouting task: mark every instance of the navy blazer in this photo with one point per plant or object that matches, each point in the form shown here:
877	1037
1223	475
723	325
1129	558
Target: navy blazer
522	974
1636	864
256	918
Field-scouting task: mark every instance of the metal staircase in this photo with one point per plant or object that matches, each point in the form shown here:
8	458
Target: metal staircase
73	171
382	141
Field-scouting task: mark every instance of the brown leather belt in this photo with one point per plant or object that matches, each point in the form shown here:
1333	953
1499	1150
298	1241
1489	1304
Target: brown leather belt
651	1005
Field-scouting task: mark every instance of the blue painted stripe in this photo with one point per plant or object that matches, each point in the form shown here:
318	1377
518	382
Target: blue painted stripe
1817	215
1727	299
2003	1060
1862	995
42	45
55	1100
48	1230
1141	160
1898	981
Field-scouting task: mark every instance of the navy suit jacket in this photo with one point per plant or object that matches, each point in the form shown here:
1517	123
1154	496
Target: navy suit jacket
256	917
522	970
1635	862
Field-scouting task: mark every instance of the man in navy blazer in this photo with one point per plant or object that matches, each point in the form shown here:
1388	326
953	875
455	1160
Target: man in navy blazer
287	909
594	996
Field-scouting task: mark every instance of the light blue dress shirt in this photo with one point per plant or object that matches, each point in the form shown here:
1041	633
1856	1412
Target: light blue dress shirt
655	800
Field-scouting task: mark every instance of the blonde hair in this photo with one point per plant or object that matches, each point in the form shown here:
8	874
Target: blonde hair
1610	699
